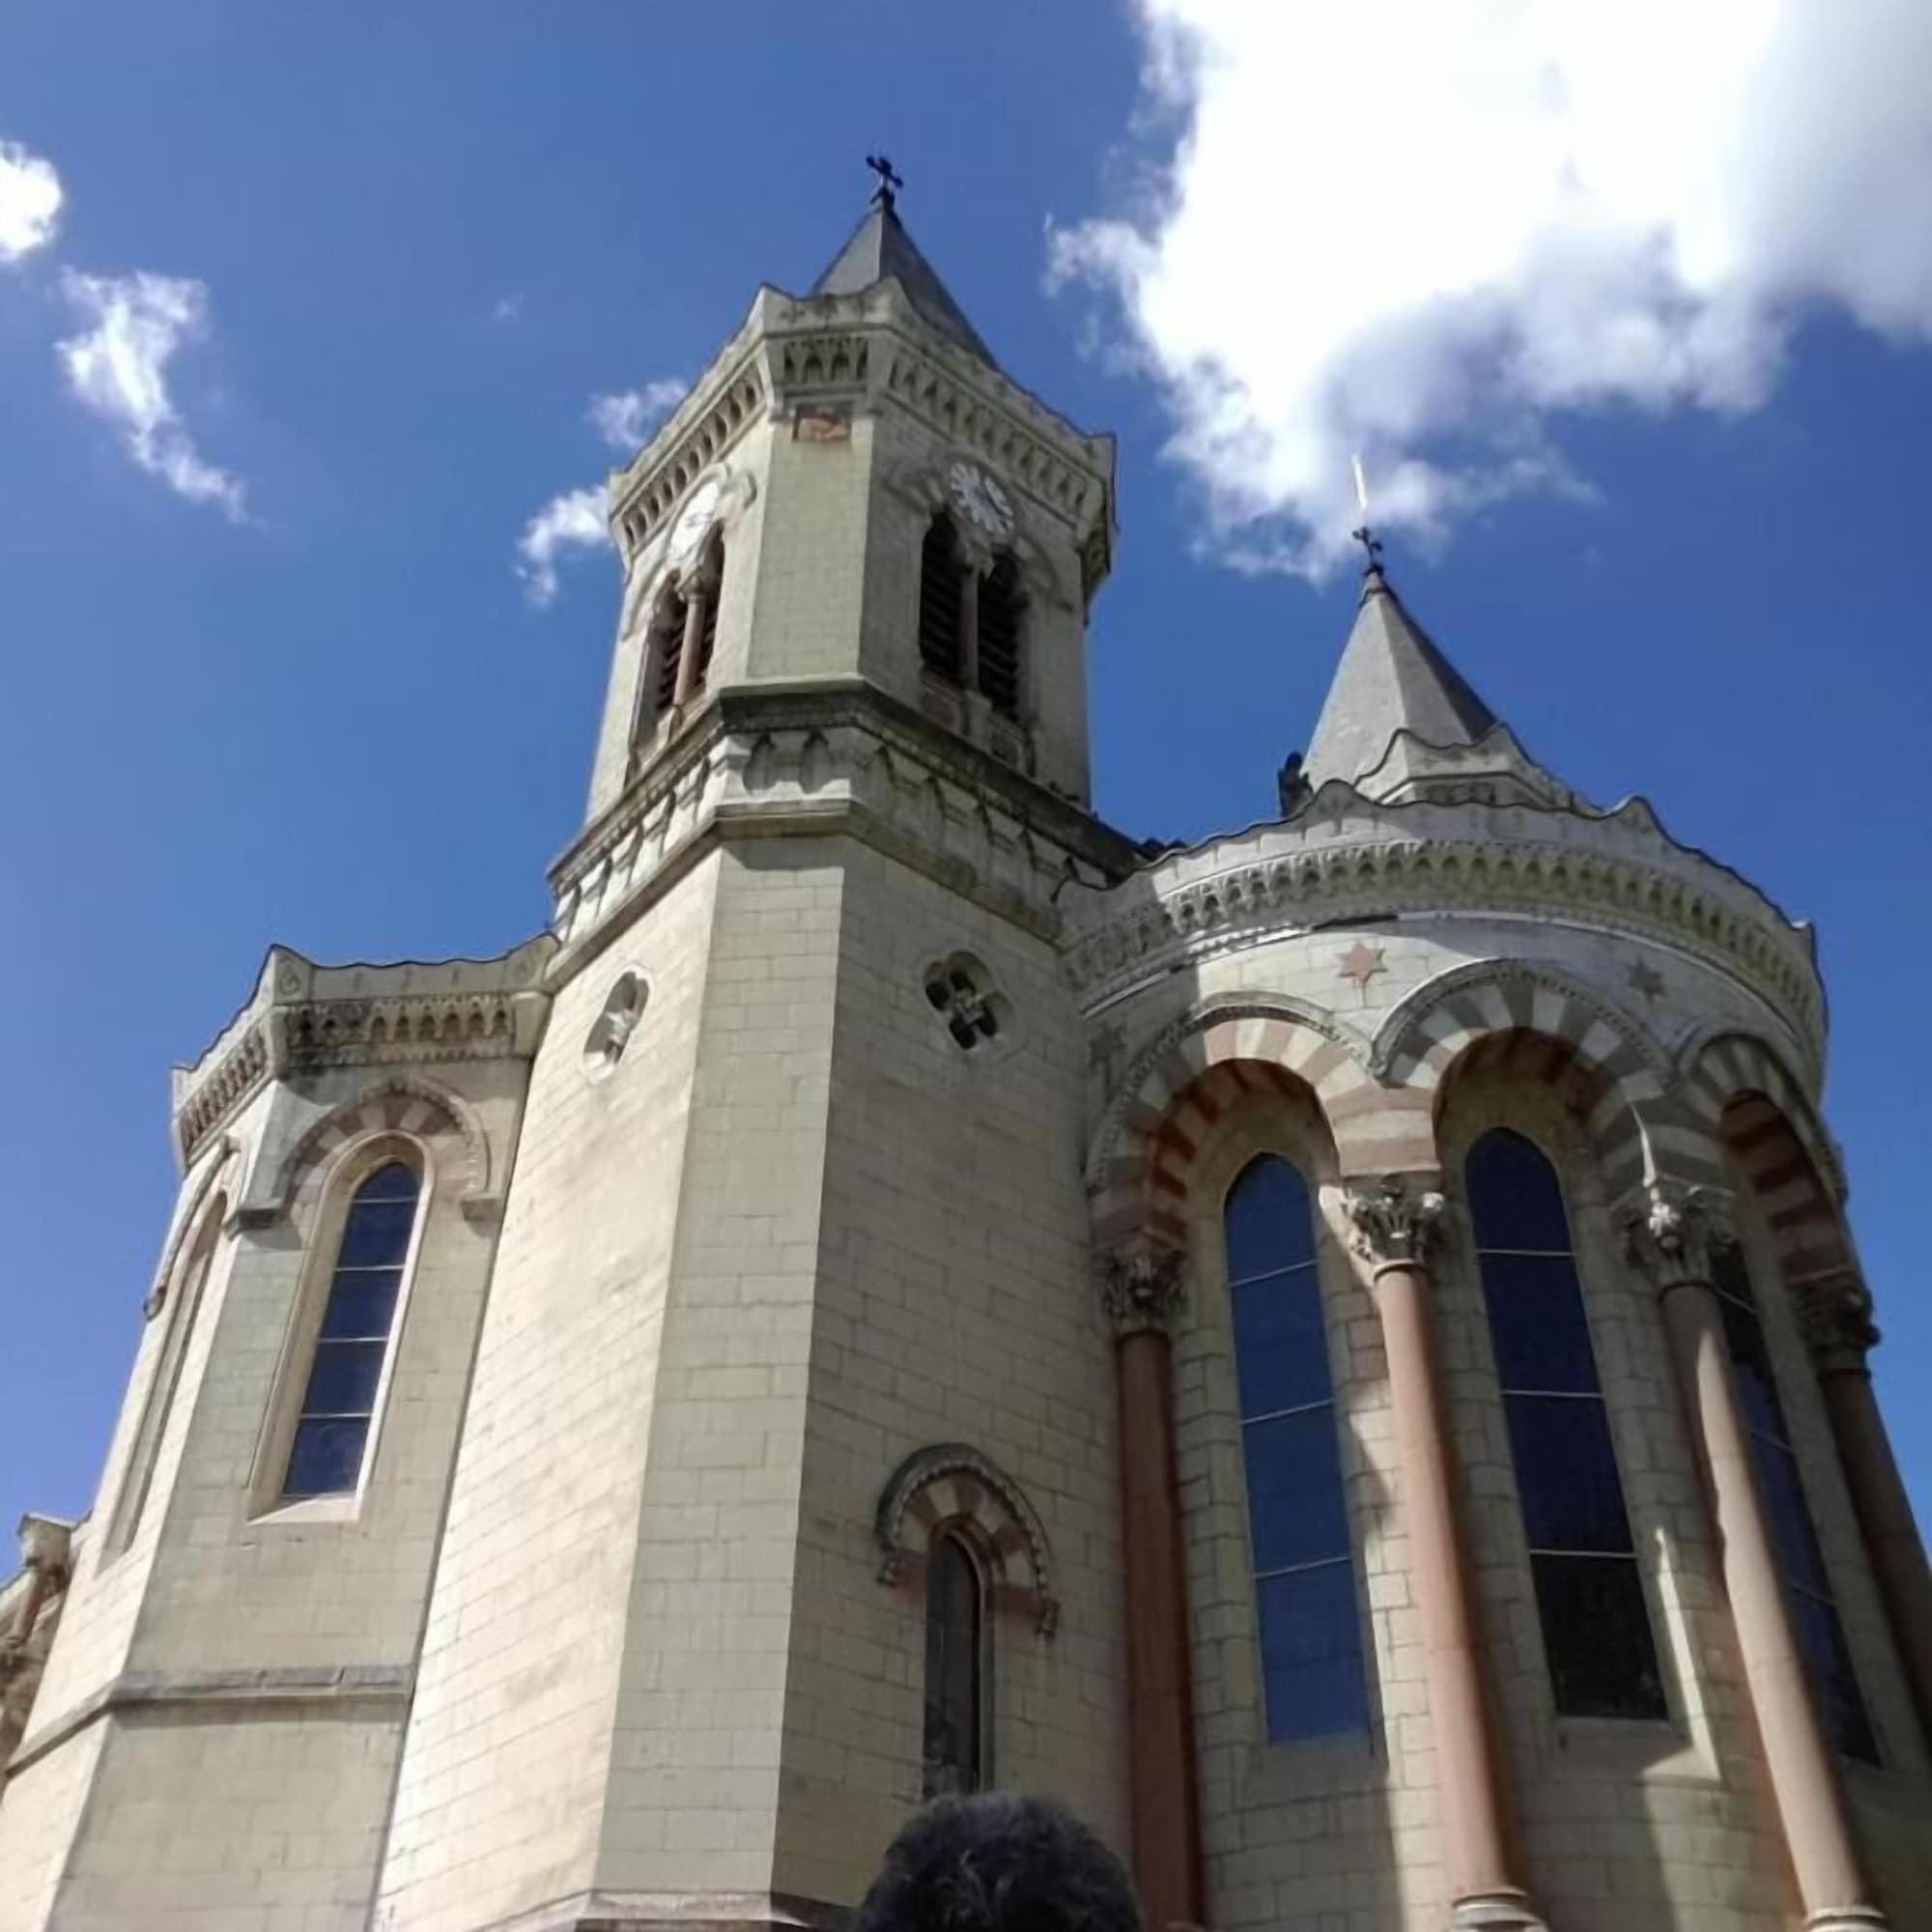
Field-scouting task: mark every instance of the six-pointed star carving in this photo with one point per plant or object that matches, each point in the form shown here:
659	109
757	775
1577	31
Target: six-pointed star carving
1360	963
1645	979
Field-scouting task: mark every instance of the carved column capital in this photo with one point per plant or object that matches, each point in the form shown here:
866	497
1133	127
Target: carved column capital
1144	1289
1396	1217
1835	1312
47	1545
1670	1232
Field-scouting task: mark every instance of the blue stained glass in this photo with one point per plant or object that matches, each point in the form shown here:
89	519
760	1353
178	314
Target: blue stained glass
361	1306
1566	1471
377	1234
1312	1666
343	1380
1821	1637
1281	1343
1297	1512
1515	1196
395	1181
1791	1526
1269	1226
1536	1321
326	1455
1595	1633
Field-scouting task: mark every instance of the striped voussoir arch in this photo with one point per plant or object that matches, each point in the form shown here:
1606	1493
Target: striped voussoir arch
1538	1025
1173	1101
1742	1094
402	1106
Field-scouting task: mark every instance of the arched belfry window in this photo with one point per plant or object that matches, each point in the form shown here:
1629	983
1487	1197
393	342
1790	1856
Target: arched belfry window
351	1346
955	1747
1307	1610
941	601
684	631
668	628
1808	1585
1002	610
1589	1592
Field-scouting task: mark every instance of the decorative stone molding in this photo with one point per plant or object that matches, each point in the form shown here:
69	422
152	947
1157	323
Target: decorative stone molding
1835	1312
1144	1291
305	1017
952	1484
1344	857
1671	1231
1396	1219
216	1162
46	1546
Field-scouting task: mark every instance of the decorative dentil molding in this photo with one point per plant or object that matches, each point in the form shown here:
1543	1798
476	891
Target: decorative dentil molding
1671	1233
1143	1290
1395	1218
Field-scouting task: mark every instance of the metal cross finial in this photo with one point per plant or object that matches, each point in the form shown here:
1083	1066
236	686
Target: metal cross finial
1372	545
890	180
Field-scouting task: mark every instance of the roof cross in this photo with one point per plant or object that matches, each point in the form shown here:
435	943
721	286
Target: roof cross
1372	545
890	180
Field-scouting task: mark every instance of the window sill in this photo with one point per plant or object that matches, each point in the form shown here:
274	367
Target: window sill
1650	1748
308	1510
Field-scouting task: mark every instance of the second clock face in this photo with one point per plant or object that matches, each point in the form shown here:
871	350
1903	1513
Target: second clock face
979	499
693	520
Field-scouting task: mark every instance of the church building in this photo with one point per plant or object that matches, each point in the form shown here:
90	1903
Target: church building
1337	1351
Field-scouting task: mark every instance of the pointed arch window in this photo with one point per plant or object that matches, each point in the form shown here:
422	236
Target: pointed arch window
941	601
1589	1591
331	1431
1307	1610
1002	610
667	627
955	1741
1808	1585
684	631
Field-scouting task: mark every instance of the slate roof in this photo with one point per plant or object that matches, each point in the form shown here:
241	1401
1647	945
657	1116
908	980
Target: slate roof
880	247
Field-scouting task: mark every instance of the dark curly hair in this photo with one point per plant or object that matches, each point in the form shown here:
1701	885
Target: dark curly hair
998	1862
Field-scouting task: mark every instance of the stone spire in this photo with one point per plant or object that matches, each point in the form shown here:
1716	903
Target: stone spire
1401	722
879	249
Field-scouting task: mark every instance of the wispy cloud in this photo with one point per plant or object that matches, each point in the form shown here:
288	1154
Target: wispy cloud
625	417
508	308
570	523
30	202
119	369
1430	233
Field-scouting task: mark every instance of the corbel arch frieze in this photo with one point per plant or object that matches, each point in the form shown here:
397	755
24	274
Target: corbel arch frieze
951	1485
216	1167
1208	1059
1635	1114
403	1103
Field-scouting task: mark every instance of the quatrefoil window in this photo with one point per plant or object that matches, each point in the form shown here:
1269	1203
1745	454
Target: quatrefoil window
961	991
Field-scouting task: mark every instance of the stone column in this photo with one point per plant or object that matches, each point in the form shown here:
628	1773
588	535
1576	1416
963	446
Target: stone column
1671	1236
1395	1223
1143	1295
702	591
1836	1312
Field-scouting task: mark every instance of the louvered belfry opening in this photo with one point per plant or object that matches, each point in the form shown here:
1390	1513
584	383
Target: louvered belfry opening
669	626
942	592
1000	611
711	576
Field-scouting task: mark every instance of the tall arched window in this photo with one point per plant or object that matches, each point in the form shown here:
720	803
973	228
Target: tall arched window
332	1433
1589	1593
955	1752
941	601
184	1304
1808	1585
1002	611
710	593
1306	1601
667	627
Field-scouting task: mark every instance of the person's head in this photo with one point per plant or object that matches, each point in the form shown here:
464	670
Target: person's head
998	1862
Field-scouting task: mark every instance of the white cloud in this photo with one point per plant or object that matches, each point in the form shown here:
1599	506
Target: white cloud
119	370
30	202
625	417
572	522
1426	232
508	308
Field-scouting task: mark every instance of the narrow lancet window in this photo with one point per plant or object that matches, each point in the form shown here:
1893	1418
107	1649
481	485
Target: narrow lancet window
1589	1592
942	596
1306	1605
668	627
1808	1585
710	588
331	1435
955	1714
1002	613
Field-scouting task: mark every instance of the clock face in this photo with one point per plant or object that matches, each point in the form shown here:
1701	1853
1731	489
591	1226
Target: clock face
693	520
980	500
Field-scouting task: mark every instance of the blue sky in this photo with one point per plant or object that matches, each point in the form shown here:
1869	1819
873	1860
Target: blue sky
427	241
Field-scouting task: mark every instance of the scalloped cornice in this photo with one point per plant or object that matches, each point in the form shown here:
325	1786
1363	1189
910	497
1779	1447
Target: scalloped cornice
1344	856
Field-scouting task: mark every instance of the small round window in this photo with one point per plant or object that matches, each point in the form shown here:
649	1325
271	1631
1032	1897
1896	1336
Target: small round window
976	1014
610	1032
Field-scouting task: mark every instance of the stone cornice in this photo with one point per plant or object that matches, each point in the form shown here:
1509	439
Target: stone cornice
1344	857
305	1017
819	755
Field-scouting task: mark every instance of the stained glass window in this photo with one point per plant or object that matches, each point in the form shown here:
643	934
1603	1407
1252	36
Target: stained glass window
332	1431
1814	1610
1312	1671
955	1759
1589	1593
